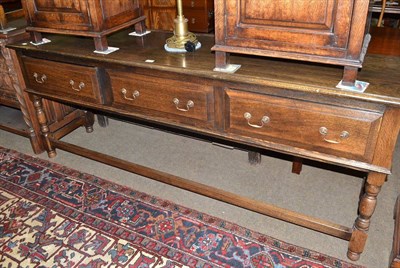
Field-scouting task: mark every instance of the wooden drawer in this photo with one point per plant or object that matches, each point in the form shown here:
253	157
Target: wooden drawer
170	99
163	3
199	20
63	80
339	131
194	4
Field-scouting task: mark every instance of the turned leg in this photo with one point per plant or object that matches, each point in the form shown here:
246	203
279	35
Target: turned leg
366	208
297	165
349	76
254	158
362	192
221	59
44	128
89	121
100	43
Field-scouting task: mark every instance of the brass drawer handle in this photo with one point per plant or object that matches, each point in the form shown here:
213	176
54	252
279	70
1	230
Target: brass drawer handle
40	80
189	104
324	132
80	86
264	120
135	94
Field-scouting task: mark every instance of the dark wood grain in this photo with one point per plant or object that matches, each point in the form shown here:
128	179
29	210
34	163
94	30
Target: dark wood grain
285	74
299	98
385	41
160	14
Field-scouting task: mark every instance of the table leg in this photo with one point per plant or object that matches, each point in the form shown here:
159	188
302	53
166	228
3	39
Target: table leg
102	120
366	208
254	157
44	128
297	165
89	121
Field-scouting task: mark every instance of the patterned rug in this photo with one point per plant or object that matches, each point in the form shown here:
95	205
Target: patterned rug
54	216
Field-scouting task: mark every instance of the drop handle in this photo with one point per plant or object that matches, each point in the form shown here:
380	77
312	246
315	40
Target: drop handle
135	94
189	104
324	132
264	120
81	85
40	80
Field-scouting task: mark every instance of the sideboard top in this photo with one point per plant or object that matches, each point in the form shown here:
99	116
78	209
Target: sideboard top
382	72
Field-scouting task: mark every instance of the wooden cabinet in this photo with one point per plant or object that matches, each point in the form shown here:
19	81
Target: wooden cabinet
324	31
161	14
95	18
200	15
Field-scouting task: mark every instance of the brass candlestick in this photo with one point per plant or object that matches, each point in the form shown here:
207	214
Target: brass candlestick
182	40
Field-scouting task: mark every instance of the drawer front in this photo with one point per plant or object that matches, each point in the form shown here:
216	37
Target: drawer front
193	4
199	21
170	99
163	3
339	131
63	80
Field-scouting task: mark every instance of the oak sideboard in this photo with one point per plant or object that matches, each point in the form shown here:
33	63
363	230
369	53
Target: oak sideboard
284	106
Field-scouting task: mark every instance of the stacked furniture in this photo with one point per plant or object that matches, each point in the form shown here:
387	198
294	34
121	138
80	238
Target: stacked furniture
266	105
329	32
301	114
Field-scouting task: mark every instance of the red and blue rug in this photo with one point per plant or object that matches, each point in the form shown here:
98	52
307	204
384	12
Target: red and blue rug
54	216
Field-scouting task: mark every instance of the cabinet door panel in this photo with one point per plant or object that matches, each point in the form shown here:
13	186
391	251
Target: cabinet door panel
312	23
61	14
